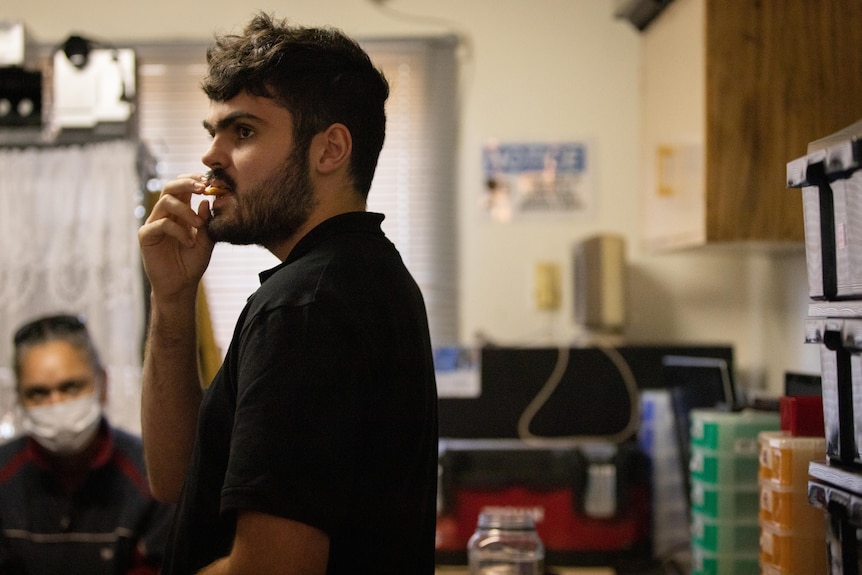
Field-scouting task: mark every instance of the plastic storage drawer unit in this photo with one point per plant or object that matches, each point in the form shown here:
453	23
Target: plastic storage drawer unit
720	536
724	468
793	553
784	459
724	445
728	431
787	507
704	562
840	341
832	203
724	502
837	492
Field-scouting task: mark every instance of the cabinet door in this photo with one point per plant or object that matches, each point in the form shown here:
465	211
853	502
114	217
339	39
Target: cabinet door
759	80
674	128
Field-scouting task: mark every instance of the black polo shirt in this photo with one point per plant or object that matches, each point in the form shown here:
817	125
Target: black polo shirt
324	411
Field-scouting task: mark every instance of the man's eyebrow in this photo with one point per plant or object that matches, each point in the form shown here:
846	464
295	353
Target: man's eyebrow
228	121
66	382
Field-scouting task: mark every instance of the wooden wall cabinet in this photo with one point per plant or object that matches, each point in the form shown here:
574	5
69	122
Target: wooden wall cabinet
732	91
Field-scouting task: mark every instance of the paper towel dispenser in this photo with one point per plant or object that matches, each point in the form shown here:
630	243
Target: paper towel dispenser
600	283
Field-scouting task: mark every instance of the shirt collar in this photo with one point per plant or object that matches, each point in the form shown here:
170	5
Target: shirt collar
368	222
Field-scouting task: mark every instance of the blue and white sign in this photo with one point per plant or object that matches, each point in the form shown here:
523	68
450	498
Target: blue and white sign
523	179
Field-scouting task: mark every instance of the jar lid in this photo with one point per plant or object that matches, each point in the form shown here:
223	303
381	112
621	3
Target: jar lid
506	518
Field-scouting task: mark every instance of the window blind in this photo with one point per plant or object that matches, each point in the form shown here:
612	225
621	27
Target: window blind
414	184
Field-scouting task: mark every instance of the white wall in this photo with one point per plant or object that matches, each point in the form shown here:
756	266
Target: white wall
537	70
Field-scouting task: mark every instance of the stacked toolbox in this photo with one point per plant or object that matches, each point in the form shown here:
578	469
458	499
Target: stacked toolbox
831	183
792	531
724	467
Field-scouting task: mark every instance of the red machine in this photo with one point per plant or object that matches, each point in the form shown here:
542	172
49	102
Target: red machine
591	503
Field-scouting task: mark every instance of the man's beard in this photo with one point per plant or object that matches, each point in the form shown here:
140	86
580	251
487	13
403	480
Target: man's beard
271	212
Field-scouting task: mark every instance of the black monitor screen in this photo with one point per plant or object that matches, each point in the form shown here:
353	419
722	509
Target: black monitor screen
591	398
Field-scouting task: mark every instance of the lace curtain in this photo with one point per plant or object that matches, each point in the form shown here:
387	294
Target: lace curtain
68	222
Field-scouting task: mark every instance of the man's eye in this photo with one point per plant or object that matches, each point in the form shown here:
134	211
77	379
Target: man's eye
35	394
73	387
245	132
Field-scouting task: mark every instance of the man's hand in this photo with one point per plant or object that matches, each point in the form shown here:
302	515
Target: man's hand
175	246
176	250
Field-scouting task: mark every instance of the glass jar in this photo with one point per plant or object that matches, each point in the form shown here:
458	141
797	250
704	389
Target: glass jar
506	543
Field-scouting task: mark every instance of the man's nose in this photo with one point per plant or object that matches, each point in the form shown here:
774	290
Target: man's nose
215	155
56	396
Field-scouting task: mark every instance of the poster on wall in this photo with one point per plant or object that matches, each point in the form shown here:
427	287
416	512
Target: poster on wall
528	180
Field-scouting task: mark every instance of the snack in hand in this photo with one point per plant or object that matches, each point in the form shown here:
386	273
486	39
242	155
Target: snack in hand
214	191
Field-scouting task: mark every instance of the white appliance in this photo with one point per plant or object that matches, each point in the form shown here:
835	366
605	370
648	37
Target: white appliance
100	91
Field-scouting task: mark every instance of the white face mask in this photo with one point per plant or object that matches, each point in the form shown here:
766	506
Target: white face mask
66	427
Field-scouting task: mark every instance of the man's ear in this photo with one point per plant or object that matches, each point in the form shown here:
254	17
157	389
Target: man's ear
332	148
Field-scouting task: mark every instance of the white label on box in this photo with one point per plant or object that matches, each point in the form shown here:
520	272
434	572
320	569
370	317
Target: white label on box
766	499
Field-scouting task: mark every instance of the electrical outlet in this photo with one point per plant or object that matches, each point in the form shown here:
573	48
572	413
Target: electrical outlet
547	286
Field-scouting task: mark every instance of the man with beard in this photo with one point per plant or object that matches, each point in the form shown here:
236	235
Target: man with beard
314	449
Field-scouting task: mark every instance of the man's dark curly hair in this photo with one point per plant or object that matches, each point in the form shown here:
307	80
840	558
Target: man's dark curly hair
319	75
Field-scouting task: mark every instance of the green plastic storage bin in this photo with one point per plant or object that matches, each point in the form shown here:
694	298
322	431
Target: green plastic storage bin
722	536
731	431
706	562
724	468
725	502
